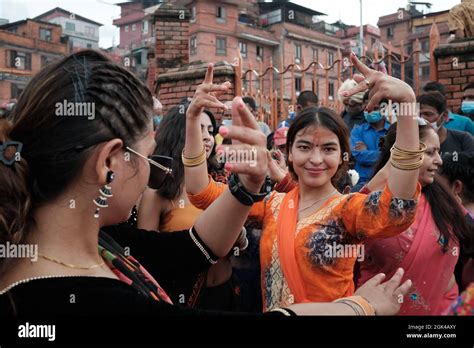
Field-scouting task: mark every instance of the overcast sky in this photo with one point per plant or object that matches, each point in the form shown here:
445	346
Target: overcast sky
104	11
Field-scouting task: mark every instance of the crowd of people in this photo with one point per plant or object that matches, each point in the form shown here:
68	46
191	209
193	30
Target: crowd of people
368	212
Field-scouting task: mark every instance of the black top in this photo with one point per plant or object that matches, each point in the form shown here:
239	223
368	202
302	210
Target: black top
457	141
165	255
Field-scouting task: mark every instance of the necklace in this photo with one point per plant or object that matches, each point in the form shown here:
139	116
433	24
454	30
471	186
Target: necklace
317	201
71	265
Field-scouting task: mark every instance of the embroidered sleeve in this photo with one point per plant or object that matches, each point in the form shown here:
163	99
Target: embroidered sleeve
378	214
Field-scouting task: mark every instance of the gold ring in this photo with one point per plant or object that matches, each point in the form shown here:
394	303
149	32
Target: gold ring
367	83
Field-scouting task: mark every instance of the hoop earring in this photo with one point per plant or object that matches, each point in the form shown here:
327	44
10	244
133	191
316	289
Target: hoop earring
105	193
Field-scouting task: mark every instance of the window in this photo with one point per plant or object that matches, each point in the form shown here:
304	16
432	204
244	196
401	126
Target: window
298	84
425	46
193	45
90	31
16	90
243	49
45	60
409	48
126	28
193	13
331	58
70	26
315	54
221	46
145	27
259	53
390	31
134	27
331	90
220	14
297	53
89	45
425	71
45	34
19	60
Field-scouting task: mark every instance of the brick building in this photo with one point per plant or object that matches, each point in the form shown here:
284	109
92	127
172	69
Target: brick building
455	69
406	26
137	33
79	31
25	47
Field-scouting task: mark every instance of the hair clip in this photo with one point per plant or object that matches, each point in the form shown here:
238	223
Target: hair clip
4	146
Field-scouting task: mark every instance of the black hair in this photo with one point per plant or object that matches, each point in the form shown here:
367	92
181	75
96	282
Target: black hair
447	214
170	139
460	166
55	149
307	97
321	117
468	86
435	86
251	102
434	99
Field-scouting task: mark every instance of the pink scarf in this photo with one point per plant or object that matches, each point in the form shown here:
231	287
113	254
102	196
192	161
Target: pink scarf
418	252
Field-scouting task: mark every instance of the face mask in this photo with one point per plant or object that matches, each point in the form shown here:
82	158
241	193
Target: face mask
435	126
467	107
373	117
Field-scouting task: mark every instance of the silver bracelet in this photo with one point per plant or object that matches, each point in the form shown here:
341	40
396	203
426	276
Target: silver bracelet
282	310
199	245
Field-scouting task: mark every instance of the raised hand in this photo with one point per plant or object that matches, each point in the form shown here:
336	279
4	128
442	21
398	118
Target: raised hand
380	85
385	297
206	95
276	168
247	156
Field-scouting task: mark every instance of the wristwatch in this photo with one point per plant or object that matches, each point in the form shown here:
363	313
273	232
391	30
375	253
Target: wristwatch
243	196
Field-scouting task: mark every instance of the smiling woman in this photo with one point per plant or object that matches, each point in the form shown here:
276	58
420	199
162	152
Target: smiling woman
301	227
430	248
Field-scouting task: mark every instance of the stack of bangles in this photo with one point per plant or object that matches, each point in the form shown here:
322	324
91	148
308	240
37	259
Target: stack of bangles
358	304
194	161
398	155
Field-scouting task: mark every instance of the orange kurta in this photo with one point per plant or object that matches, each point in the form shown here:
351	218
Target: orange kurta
342	221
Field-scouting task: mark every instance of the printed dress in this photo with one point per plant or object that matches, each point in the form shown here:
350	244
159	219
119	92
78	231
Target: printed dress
343	222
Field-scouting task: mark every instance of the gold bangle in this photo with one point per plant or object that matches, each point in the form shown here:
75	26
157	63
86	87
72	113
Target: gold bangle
365	305
406	166
409	153
194	157
194	161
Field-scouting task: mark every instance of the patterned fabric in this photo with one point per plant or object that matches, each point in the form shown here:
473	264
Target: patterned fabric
464	304
129	270
419	251
341	221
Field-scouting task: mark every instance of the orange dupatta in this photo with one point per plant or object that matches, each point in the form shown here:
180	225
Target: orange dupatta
286	228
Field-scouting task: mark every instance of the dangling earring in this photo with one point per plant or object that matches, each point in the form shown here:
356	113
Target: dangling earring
105	193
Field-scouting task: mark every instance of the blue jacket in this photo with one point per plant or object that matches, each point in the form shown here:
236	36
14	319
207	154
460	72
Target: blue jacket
366	159
458	122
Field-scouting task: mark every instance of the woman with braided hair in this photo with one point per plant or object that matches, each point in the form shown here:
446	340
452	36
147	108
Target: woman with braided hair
67	181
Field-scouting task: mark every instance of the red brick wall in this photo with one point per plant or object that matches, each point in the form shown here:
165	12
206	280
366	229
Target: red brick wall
171	48
455	65
173	86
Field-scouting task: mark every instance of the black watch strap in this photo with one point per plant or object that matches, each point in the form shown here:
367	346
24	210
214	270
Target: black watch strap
243	196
